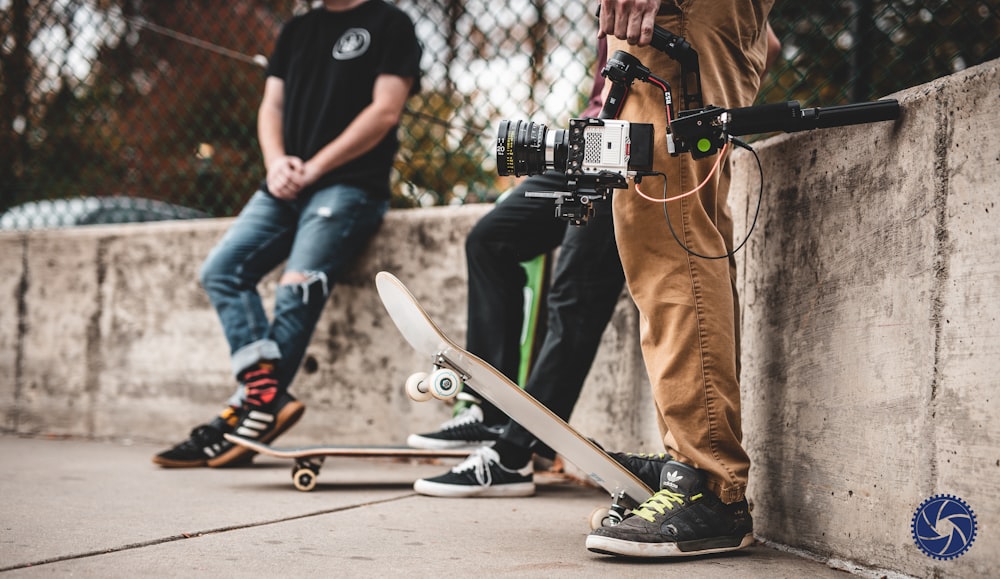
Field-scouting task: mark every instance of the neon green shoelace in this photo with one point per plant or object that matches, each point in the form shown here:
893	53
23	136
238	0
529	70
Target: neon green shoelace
649	455
660	503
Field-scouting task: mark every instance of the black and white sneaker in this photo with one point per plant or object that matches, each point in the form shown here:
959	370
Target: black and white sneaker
204	443
465	431
682	519
480	475
262	424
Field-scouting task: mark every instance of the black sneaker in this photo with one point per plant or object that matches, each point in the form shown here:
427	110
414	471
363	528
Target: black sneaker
262	424
480	475
645	466
206	442
680	520
464	431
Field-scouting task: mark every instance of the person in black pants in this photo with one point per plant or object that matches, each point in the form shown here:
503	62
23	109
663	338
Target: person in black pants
587	281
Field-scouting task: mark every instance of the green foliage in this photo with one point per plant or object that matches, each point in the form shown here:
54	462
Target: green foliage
439	159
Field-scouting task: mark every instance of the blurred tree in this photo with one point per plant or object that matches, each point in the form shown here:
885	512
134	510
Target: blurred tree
151	115
187	102
439	162
15	107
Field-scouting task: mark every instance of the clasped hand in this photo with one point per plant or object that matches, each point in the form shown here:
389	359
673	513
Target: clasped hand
288	175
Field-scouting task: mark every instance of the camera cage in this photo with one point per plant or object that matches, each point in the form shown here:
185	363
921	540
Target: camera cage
595	155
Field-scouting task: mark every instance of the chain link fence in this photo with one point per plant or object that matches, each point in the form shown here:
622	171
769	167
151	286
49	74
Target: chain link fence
856	50
148	100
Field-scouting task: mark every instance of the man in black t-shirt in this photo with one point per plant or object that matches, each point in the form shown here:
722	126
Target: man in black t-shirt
336	86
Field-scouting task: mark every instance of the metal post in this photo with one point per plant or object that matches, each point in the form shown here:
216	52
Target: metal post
862	50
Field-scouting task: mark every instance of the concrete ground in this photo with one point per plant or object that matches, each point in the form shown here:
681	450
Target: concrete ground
93	509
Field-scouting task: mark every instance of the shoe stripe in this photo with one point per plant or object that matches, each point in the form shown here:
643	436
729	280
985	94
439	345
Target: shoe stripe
260	416
213	450
247	432
254	424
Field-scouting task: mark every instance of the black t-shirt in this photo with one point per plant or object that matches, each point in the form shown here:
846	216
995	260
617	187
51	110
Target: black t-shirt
329	62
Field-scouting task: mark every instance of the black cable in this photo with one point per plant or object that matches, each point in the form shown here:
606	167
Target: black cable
760	196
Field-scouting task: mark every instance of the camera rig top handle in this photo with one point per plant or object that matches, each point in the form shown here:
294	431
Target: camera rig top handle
680	50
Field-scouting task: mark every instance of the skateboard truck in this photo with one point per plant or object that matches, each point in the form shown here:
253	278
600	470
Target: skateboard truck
443	383
609	516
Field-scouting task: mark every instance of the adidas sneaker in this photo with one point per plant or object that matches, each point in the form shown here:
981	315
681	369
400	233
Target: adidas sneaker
263	424
682	519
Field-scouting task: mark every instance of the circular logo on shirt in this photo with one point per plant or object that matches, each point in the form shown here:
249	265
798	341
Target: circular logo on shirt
352	44
944	527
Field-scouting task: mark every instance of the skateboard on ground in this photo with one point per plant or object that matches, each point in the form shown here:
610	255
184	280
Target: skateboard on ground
309	459
453	366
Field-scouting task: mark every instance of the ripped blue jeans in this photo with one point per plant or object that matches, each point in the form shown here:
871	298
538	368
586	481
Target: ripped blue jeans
319	236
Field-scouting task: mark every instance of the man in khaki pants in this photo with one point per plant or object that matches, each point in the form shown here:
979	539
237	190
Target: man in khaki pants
688	305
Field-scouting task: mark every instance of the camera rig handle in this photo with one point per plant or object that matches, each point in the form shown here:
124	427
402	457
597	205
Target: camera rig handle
621	70
703	132
678	49
790	118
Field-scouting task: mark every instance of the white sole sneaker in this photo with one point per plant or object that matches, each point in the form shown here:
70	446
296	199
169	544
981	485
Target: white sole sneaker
434	489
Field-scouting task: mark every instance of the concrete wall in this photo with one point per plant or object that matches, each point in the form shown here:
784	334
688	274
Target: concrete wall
106	333
870	362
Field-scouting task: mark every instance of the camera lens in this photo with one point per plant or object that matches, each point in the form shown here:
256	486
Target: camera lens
528	148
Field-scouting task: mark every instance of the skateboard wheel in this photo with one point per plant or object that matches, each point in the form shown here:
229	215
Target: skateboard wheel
603	517
597	518
304	479
417	388
444	383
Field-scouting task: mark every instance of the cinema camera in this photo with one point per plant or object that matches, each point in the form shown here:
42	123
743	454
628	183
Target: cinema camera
602	154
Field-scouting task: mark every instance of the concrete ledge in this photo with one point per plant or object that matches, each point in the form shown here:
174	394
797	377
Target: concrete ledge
870	328
110	336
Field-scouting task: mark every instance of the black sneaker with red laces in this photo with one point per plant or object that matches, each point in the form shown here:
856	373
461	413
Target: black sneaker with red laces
204	443
260	423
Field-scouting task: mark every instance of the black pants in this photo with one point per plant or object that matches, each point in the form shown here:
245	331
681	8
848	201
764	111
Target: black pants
586	283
